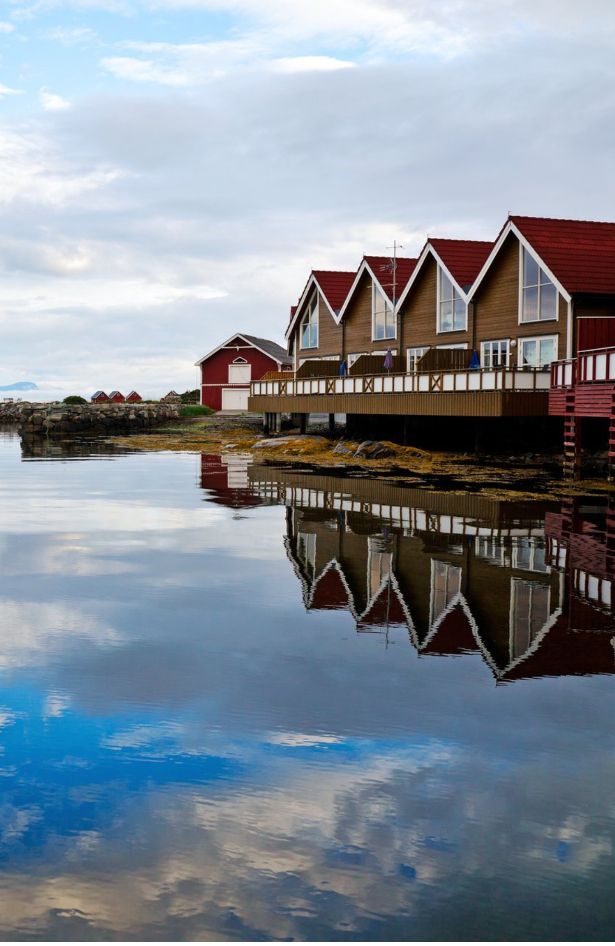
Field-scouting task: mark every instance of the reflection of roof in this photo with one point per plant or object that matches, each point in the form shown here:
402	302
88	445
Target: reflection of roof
453	635
329	592
579	253
384	608
463	258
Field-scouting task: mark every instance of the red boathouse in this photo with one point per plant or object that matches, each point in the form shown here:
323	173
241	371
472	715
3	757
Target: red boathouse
134	398
116	397
226	372
100	397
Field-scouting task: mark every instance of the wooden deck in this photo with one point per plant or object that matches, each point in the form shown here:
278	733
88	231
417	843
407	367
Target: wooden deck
503	392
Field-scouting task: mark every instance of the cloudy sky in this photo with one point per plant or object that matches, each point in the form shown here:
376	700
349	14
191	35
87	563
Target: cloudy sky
170	170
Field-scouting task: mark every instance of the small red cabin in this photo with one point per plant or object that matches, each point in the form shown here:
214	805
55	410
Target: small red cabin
171	396
100	397
134	397
226	372
117	397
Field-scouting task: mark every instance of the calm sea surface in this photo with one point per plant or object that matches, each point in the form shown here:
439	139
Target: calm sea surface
243	703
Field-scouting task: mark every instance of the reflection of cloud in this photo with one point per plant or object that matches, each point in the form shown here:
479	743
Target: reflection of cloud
302	739
318	851
31	631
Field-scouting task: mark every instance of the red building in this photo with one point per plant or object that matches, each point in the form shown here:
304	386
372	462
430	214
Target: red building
100	397
117	397
226	372
134	398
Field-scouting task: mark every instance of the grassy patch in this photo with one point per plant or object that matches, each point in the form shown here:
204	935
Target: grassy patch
194	410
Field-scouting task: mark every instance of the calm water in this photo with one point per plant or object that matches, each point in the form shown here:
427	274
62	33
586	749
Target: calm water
244	704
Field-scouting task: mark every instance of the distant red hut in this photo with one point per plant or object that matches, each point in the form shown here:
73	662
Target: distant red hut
134	397
100	397
226	372
171	396
117	397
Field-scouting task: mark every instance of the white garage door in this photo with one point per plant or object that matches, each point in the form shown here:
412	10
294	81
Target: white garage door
235	399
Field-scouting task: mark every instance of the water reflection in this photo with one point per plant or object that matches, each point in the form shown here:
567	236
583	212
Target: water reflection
190	750
528	586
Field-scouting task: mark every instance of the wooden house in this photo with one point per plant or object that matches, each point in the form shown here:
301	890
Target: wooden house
226	372
433	308
116	397
134	398
100	397
314	332
473	326
172	396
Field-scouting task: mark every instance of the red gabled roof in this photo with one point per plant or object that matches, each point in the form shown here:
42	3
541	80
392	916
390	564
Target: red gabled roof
579	253
464	259
382	268
334	285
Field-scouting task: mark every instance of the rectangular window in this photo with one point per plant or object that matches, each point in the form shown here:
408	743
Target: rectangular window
530	604
445	585
383	317
452	309
537	352
495	354
309	325
239	374
538	293
413	356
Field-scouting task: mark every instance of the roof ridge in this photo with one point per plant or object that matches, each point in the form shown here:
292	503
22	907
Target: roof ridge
609	223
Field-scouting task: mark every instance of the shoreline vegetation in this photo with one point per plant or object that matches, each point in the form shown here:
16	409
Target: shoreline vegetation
529	476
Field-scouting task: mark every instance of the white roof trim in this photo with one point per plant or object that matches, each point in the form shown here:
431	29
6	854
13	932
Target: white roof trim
430	251
511	227
362	269
248	342
312	281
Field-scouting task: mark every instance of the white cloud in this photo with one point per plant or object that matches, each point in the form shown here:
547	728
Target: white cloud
310	64
6	27
52	102
7	90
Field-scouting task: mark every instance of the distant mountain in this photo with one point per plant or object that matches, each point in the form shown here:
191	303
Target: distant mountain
19	386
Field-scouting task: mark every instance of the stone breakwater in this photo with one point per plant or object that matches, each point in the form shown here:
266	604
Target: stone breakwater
48	420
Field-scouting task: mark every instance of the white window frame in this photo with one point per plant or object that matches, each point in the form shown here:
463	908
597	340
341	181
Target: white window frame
534	589
388	308
413	355
439	300
240	363
312	316
541	273
539	339
459	346
453	575
494	341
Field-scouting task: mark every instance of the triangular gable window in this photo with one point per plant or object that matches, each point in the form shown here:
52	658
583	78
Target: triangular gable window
538	293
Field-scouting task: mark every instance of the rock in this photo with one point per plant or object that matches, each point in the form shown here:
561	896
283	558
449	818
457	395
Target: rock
341	448
372	450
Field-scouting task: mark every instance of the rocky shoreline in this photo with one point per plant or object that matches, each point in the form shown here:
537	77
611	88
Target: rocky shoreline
51	420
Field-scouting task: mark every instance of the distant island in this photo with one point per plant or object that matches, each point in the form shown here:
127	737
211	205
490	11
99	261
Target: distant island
19	386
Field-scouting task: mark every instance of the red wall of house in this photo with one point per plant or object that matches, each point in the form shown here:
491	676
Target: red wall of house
214	371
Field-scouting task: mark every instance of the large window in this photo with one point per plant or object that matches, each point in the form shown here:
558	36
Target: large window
383	317
445	585
452	309
530	605
537	352
413	356
495	354
538	293
309	325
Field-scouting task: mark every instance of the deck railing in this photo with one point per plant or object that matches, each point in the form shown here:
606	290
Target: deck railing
429	382
597	365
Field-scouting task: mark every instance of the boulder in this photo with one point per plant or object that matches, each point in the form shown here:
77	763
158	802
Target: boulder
372	450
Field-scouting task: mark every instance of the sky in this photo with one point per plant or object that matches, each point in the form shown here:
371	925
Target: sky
171	170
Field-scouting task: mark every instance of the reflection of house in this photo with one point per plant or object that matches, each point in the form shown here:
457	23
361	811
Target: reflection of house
226	480
226	372
464	574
